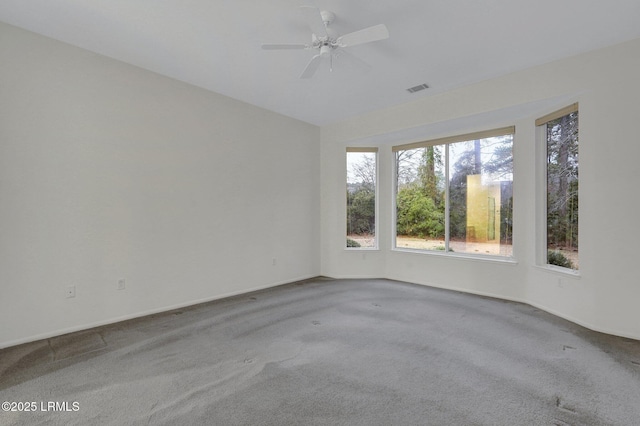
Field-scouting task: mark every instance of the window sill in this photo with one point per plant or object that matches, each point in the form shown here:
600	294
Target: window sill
361	249
565	272
463	256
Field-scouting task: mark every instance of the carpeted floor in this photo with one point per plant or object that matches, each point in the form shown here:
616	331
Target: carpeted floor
330	352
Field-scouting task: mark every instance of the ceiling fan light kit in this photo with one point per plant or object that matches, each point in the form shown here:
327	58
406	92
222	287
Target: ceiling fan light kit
326	44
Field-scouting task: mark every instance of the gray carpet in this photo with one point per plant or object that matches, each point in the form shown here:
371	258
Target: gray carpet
325	352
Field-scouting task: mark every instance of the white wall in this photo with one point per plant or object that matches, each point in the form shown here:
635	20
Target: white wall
605	83
108	171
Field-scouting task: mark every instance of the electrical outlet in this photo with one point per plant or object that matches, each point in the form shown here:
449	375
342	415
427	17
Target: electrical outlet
71	292
121	284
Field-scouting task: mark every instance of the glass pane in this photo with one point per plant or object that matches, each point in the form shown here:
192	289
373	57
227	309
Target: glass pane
481	196
361	199
420	198
562	191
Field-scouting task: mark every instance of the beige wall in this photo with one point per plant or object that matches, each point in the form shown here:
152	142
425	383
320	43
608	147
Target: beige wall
108	171
606	85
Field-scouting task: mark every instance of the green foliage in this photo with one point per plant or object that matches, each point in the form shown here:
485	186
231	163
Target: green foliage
420	198
421	185
506	213
458	207
361	212
440	248
555	257
430	161
352	243
417	214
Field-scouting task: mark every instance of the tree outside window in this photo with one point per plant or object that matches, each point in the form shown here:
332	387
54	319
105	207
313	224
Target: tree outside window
562	191
361	198
456	196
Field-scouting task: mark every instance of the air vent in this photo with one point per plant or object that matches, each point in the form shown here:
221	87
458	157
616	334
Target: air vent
418	88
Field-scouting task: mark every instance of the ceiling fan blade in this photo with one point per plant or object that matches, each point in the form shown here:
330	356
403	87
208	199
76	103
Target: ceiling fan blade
314	20
366	35
312	67
284	46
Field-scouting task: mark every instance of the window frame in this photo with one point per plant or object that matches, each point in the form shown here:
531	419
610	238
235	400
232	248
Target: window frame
446	142
376	243
541	153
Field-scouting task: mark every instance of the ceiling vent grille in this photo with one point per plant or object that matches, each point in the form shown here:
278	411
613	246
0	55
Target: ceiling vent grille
417	88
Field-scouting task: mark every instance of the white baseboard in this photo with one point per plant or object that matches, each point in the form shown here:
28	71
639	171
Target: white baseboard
114	320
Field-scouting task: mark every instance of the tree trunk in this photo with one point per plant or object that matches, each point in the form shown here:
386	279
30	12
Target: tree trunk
477	161
563	176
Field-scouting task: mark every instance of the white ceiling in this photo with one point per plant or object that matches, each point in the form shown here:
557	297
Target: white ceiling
216	44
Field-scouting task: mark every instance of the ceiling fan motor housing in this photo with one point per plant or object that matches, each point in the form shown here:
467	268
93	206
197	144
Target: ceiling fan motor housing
327	17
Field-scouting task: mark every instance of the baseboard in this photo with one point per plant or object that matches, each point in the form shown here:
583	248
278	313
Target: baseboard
553	312
114	320
535	305
356	277
582	323
60	332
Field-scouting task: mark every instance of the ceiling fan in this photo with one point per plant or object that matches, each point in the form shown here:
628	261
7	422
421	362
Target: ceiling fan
327	43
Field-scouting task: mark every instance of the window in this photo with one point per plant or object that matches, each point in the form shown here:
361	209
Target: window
561	146
456	194
361	197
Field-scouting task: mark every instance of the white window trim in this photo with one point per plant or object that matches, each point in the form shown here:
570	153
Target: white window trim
446	141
